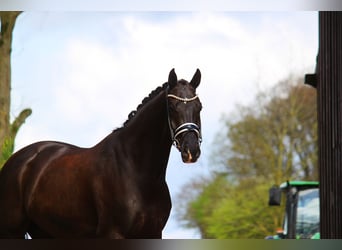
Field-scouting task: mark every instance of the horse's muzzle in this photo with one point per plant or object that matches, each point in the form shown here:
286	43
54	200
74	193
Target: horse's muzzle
190	148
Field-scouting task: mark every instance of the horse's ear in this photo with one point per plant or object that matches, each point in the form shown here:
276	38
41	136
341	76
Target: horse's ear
172	79
196	79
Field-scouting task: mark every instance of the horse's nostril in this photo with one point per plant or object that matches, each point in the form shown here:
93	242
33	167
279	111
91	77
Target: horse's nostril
198	153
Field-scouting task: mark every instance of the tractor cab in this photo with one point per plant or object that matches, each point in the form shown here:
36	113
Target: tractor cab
301	215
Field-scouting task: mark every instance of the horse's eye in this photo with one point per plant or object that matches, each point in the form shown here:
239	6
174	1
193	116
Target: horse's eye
199	106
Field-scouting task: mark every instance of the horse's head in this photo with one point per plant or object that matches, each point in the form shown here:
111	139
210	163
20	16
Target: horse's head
184	109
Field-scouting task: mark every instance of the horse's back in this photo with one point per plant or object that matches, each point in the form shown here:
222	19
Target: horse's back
29	161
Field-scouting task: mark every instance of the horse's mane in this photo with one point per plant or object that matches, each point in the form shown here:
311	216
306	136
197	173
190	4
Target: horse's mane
144	101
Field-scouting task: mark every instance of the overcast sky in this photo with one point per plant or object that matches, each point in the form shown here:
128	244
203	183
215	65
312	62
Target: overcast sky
83	72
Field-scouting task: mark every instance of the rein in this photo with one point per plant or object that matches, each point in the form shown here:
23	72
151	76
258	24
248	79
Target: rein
185	127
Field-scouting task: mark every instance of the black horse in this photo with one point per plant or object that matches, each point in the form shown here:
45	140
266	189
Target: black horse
117	188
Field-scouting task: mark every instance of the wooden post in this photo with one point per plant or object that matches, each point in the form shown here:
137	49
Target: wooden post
329	98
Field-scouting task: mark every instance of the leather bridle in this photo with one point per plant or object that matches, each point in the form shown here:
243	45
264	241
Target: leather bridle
185	127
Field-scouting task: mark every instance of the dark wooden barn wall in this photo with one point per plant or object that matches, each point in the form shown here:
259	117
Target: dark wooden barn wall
329	91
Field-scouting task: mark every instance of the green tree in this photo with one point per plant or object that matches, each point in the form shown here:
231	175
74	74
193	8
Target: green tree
8	128
198	202
272	140
224	209
239	212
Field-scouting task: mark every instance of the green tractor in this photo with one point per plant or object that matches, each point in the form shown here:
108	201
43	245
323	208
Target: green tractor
301	215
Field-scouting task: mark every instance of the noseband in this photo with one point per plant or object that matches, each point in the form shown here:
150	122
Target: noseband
185	127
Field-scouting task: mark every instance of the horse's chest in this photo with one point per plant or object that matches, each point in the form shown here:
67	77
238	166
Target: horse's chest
149	216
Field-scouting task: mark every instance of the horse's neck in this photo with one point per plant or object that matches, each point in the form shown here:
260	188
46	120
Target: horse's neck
146	137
